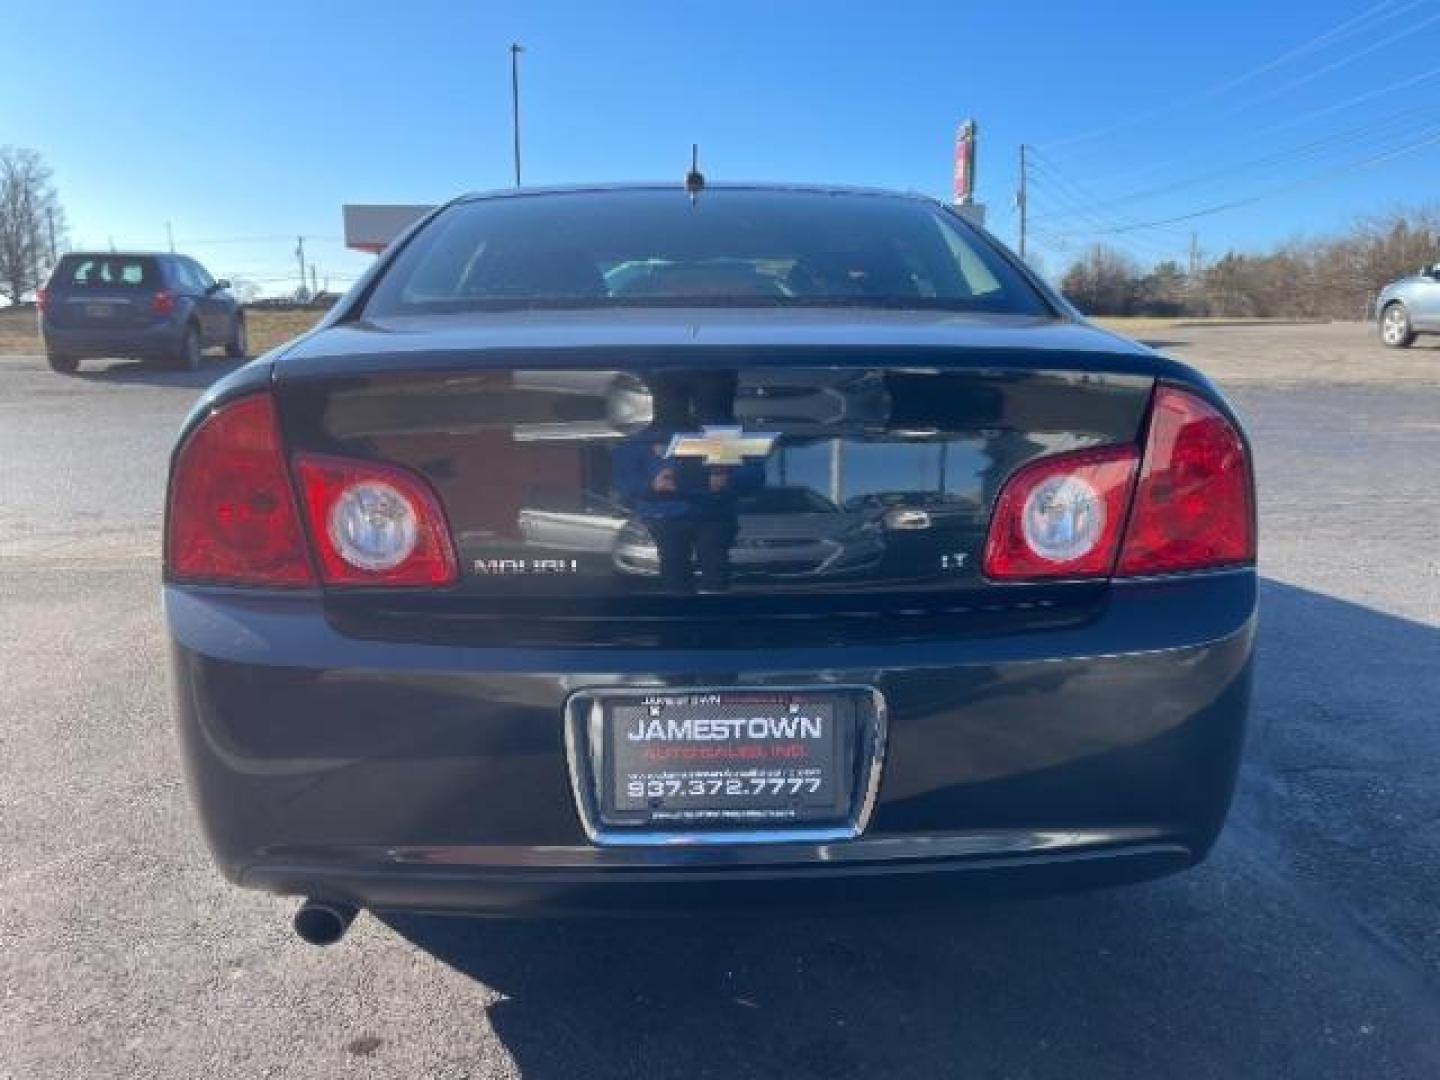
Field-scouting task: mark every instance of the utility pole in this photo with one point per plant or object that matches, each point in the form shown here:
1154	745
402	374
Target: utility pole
170	237
300	255
50	221
515	50
314	281
1021	199
1194	254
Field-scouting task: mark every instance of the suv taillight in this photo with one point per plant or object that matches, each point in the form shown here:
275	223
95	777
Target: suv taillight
163	302
231	516
1085	514
42	299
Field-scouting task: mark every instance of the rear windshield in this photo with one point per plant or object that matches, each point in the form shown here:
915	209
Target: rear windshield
107	271
730	247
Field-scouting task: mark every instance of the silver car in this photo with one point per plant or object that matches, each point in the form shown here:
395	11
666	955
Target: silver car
1409	307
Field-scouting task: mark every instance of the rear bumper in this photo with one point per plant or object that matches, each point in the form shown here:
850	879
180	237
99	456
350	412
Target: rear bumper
435	777
374	880
160	339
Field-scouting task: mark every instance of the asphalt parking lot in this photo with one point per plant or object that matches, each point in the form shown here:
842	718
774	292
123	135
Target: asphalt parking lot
1309	945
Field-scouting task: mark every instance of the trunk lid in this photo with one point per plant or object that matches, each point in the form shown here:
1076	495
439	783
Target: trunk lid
608	464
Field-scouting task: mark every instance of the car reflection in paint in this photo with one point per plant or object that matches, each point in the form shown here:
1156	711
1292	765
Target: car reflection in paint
784	532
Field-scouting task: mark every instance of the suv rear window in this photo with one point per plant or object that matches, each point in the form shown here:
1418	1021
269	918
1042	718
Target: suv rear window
107	271
731	247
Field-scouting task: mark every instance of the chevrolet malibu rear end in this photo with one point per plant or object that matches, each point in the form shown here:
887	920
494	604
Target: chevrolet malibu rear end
607	550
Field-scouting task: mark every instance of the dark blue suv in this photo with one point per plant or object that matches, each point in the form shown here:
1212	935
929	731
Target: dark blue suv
164	308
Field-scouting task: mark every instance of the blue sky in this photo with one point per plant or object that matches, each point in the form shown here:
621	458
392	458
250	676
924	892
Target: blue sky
246	124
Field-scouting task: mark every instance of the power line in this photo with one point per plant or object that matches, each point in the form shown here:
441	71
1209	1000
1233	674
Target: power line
1068	246
275	238
272	238
1079	203
1325	110
1355	166
1131	244
1079	198
1090	224
271	279
1141	248
1344	29
1063	203
1367	132
1311	76
1251	134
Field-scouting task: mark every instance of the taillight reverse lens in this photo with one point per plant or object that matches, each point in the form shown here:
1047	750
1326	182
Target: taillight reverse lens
1193	504
374	524
1074	515
1062	516
231	516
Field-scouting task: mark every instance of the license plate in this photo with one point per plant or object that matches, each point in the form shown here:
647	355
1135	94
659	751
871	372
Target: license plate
99	311
741	758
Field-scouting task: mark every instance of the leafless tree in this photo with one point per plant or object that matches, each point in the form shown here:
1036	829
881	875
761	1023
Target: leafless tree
32	223
1335	277
1103	282
243	289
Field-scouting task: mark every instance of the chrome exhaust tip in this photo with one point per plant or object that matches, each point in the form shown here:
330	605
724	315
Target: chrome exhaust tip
323	922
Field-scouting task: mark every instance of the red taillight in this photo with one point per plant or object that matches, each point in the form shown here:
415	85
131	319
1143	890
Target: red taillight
232	516
374	524
42	298
163	302
1074	516
1193	505
1062	516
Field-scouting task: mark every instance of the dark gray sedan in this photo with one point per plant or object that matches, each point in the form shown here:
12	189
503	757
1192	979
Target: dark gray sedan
1409	307
400	685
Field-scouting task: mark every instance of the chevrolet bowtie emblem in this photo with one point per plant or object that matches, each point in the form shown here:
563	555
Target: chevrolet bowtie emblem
722	445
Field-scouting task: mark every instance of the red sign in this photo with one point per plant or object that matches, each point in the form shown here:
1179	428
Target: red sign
964	191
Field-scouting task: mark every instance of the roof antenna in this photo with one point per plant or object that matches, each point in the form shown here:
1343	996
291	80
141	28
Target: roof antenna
694	179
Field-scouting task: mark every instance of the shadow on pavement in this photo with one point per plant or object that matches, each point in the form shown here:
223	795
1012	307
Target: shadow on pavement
136	371
1255	964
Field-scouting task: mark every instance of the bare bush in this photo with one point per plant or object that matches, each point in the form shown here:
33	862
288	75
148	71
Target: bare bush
1335	277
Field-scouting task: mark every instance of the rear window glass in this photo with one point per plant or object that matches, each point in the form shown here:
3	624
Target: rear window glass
107	271
730	247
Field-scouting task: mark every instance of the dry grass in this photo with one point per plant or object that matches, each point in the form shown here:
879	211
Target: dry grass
269	328
19	335
1135	325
